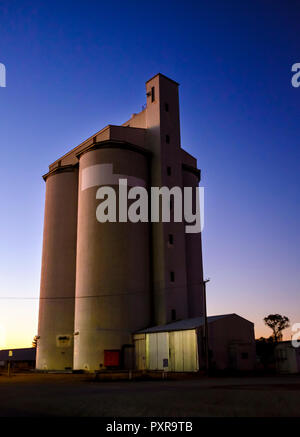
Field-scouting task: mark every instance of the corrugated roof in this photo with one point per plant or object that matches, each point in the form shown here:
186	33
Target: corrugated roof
182	325
25	354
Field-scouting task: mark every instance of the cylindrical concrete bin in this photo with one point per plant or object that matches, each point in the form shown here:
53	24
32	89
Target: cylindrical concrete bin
57	292
113	282
193	249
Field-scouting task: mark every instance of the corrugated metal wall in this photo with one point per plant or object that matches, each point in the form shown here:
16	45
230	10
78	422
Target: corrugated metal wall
175	351
183	351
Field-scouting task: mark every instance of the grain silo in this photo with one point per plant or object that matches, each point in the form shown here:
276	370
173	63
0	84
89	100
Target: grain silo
57	293
101	282
113	260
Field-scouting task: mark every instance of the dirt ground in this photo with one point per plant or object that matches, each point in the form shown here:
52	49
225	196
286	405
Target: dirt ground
38	395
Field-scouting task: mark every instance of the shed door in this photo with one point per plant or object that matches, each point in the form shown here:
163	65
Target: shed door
162	350
183	351
157	350
176	351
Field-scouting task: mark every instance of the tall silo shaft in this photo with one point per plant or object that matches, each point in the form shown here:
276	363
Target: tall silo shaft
113	281
57	292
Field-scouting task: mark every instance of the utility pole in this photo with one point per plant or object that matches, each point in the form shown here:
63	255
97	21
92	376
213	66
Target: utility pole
205	327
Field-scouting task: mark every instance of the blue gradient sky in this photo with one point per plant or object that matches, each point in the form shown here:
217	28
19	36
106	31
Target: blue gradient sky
75	66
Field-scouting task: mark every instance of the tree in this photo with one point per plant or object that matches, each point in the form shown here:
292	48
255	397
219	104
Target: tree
34	341
277	323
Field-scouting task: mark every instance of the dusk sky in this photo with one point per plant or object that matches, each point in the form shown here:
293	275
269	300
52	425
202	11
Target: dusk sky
75	66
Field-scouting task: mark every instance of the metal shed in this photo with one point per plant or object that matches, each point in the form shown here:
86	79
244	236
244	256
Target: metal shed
178	346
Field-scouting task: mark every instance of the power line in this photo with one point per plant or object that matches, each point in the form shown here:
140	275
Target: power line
126	293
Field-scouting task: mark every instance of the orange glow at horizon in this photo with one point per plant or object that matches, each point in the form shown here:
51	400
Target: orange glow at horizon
19	321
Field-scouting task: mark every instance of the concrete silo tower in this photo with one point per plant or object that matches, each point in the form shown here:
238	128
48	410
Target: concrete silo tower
163	133
101	282
113	259
177	272
57	294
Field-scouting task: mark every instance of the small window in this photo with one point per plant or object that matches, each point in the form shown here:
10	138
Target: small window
171	239
167	107
168	139
173	314
172	276
152	94
169	171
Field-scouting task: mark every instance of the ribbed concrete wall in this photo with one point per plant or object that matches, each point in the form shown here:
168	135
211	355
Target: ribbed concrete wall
112	284
56	311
